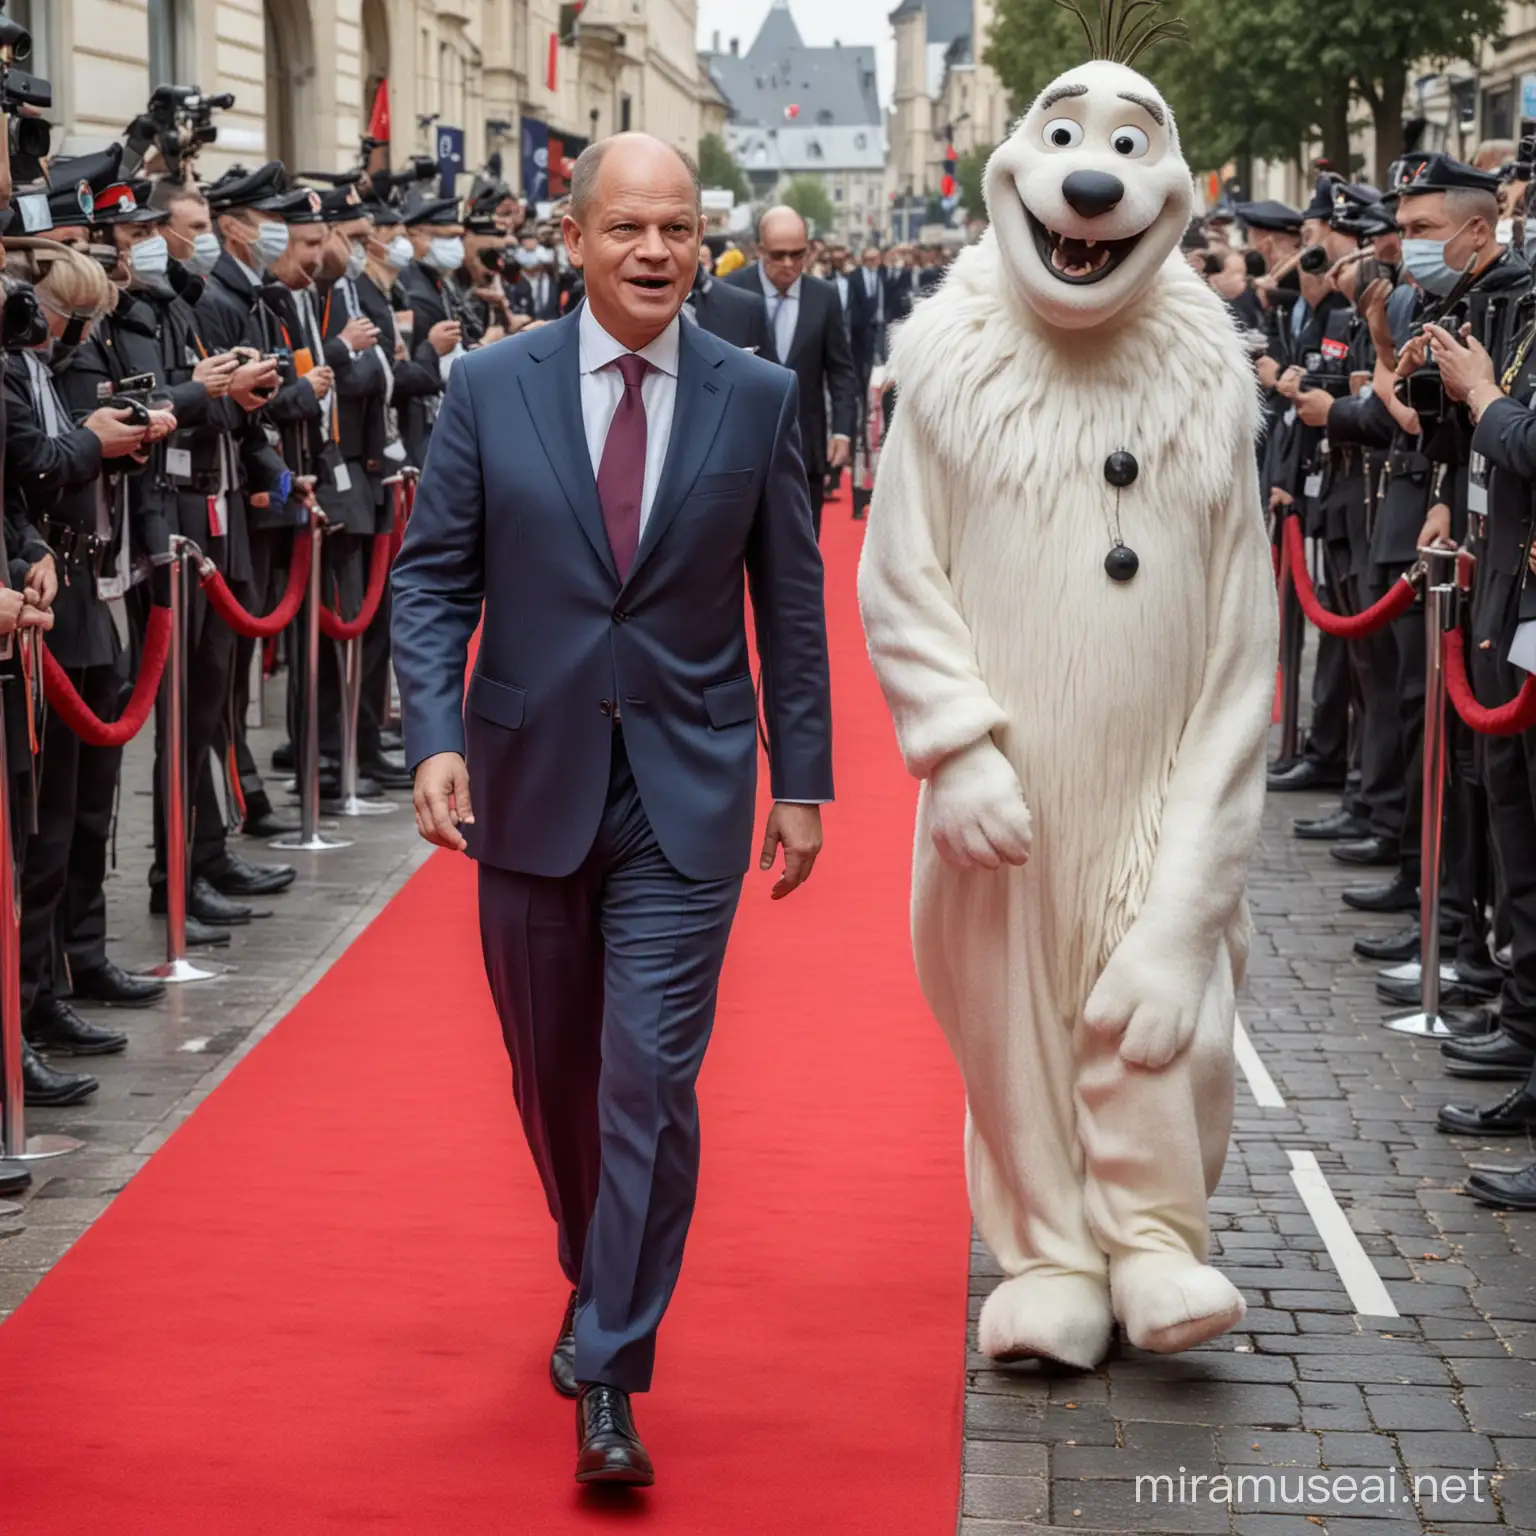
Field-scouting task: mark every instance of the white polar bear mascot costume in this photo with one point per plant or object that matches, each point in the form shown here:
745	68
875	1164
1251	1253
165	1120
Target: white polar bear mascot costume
1069	600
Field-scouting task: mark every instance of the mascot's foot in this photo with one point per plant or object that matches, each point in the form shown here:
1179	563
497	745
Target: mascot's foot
1062	1317
1168	1304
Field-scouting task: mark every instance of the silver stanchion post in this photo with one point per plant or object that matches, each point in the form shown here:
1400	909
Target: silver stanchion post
352	804
1439	600
309	838
15	1144
177	967
396	485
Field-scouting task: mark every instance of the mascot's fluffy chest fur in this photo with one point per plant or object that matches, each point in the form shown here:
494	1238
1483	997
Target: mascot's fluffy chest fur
1091	751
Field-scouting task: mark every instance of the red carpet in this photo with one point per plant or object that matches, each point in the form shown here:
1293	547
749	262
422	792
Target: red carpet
327	1304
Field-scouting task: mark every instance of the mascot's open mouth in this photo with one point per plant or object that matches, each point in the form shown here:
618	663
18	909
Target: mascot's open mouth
1079	261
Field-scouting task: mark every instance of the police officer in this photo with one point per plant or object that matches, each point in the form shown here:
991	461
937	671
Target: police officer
439	336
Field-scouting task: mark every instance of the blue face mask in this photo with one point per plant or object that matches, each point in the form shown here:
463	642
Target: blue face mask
271	242
1426	264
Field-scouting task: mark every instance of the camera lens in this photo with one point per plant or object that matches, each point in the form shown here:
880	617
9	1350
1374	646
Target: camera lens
1314	260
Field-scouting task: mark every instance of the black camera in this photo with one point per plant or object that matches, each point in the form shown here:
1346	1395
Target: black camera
1315	260
1423	390
1335	384
491	259
22	321
29	137
177	123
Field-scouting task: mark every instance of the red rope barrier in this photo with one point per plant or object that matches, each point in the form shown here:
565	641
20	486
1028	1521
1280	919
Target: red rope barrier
1508	719
1345	626
77	715
229	608
337	628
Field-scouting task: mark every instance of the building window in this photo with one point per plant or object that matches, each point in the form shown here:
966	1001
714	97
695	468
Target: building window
32	15
626	107
837	194
164	43
1499	113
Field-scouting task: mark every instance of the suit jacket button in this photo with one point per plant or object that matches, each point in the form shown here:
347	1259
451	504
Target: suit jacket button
606	707
619	616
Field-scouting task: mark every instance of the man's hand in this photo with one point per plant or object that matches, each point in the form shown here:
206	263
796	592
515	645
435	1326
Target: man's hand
320	380
1313	407
112	428
839	452
977	815
1289	383
441	798
1437	527
798	829
260	500
216	373
43	582
360	333
161	424
1412	357
1373	306
445	336
1269	372
1280	497
1463	367
258	374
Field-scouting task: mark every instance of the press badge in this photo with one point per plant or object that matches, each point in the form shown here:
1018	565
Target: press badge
178	462
1290	417
109	588
1477	485
1313	485
342	476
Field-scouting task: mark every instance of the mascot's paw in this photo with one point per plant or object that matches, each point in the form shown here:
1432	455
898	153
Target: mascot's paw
1169	1303
1062	1317
977	815
1149	994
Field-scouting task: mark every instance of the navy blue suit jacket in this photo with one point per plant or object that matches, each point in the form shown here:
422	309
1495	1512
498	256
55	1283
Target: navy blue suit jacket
507	516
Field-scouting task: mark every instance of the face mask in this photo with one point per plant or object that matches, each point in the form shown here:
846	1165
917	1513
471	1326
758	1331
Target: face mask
1425	261
446	253
526	258
205	254
271	242
149	258
1505	233
399	252
357	262
546	257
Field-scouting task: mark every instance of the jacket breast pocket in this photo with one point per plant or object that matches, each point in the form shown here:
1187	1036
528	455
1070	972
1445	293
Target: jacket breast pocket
730	482
733	702
500	703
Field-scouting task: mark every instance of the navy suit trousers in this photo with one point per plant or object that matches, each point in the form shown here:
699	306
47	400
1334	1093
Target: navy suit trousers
605	981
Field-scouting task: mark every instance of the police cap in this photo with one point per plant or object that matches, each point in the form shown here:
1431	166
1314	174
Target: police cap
299	205
429	210
1414	177
77	180
120	205
1321	206
261	189
1270	215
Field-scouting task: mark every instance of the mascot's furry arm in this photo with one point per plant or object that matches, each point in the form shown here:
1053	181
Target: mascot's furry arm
925	659
1152	986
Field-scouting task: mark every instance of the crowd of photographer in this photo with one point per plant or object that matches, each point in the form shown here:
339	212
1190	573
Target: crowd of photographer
202	366
1394	336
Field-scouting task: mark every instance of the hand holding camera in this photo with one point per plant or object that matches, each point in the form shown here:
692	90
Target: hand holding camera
119	430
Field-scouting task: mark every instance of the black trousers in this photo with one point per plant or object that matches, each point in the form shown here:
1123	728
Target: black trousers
343	579
373	709
271	549
1373	659
82	920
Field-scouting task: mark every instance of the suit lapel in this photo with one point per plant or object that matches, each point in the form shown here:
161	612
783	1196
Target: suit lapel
701	400
553	396
802	323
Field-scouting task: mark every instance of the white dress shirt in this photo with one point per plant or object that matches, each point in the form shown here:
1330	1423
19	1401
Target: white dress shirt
602	388
875	289
783	314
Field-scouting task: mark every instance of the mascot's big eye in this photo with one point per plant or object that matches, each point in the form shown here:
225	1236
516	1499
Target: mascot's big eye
1130	141
1063	133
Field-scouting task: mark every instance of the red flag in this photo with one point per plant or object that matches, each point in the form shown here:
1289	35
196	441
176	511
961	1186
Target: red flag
947	186
554	54
792	111
378	119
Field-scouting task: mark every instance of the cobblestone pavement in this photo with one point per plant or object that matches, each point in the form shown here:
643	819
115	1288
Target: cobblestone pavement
1308	1389
179	1050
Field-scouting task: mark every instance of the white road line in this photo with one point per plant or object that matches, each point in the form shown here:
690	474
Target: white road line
1262	1085
1353	1263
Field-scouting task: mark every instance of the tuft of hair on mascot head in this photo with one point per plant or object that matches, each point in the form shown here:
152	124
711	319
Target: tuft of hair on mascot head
1089	195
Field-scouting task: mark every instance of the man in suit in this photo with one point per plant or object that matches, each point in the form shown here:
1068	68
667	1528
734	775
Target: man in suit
806	334
605	487
730	313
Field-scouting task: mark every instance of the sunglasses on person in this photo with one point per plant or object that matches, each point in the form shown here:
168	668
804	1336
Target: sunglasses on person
798	255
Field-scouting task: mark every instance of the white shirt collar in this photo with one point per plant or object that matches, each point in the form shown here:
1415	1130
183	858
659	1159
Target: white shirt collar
253	277
770	292
599	349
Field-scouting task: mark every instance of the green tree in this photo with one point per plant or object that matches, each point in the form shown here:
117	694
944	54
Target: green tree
968	178
808	197
718	168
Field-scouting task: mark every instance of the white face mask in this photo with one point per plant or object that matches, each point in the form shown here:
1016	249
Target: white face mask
446	253
149	258
205	254
399	252
271	242
357	262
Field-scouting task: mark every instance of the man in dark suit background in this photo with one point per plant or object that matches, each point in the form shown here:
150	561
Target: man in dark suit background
806	334
732	314
603	489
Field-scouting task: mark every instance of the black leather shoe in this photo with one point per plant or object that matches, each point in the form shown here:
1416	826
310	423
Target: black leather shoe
367	788
205	904
47	1089
284	758
391	740
562	1363
1395	947
1495	1058
1504	1191
1341	826
607	1448
109	984
1513	1115
1304	775
386	774
55	1027
1454	994
14	1178
200	935
1398	896
240	878
1368	853
1470	1023
268	824
1487	977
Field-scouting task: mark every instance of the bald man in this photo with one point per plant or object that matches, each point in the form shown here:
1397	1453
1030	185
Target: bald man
806	334
606	486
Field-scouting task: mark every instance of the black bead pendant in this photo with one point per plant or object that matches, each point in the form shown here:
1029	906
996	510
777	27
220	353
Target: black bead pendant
1121	469
1121	563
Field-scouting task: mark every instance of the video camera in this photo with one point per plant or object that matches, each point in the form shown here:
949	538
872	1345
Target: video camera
387	184
177	123
29	136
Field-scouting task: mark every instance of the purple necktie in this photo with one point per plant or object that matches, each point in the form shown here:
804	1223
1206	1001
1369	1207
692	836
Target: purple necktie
621	474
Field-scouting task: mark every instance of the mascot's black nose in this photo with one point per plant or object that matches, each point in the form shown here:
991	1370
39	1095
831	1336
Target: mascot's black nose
1093	192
